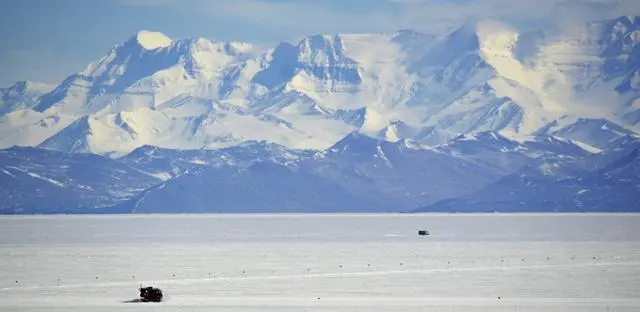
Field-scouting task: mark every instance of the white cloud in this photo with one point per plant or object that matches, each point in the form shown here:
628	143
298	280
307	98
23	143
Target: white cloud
517	12
580	11
308	17
303	16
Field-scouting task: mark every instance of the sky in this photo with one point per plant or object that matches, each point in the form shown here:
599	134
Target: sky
45	41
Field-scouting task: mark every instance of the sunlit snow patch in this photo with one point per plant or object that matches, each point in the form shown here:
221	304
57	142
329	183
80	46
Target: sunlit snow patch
152	40
52	181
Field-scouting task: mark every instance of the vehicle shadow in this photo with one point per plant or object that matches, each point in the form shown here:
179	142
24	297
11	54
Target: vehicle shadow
142	301
132	301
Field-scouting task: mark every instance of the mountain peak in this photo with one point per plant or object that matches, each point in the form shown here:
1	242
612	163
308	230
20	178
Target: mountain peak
629	19
22	94
151	40
321	50
406	32
396	131
26	85
355	142
470	36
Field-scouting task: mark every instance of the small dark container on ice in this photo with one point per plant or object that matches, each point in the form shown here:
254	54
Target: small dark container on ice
423	232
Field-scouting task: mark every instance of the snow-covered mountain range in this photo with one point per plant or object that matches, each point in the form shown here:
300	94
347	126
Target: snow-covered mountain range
368	122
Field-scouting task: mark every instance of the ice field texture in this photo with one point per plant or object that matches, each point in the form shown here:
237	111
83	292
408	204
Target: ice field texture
322	262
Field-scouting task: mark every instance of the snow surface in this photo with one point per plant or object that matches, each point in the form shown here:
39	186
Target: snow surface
493	262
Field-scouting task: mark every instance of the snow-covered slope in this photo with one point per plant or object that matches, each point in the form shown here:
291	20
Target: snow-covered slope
359	173
169	163
612	188
600	133
23	94
400	174
365	173
261	187
606	181
215	125
39	181
147	70
26	127
197	93
19	124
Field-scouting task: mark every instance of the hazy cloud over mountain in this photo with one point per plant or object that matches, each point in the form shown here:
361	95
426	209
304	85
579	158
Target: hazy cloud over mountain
52	53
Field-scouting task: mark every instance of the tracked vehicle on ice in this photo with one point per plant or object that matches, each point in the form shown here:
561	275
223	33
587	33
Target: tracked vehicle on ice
150	294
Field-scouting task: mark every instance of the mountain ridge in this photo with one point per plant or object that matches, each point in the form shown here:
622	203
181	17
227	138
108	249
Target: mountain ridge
357	174
482	118
484	76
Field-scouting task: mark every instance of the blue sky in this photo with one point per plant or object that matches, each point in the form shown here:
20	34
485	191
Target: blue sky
46	40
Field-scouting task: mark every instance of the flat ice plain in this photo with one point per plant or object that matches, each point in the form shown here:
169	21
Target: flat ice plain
337	262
